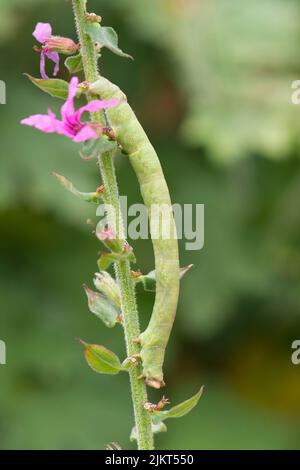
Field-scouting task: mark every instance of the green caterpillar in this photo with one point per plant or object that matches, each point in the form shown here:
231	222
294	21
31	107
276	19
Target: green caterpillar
134	141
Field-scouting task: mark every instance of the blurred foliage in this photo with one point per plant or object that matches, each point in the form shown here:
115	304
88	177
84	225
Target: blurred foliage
236	62
215	88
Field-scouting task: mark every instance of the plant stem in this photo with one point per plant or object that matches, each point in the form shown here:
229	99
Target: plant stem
129	307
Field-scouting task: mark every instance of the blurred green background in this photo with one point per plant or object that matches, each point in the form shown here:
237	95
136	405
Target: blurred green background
211	82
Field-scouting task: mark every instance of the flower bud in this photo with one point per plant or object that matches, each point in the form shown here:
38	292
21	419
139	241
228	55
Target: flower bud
105	284
151	407
93	18
107	236
61	45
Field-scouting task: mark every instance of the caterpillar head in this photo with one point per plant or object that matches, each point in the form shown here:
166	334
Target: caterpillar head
154	383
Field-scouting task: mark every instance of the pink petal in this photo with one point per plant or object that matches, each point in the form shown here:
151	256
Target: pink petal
67	110
43	122
86	133
43	66
42	32
49	124
54	56
51	113
96	105
73	88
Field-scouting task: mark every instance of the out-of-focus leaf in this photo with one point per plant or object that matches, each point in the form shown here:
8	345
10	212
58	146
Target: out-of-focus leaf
9	17
235	65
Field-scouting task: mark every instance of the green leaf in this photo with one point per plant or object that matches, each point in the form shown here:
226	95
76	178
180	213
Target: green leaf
54	86
156	428
96	147
74	63
106	260
179	410
88	197
102	307
106	37
101	359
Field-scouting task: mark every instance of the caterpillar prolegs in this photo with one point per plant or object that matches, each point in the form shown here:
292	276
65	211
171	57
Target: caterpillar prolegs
145	162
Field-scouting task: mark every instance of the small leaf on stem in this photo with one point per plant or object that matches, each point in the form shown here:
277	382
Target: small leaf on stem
54	86
101	359
106	37
179	410
74	63
102	307
88	197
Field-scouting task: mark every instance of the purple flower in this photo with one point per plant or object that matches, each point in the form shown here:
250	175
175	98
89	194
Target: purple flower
43	33
71	125
52	46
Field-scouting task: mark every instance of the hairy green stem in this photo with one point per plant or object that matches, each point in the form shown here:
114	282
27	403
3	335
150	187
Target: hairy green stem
129	307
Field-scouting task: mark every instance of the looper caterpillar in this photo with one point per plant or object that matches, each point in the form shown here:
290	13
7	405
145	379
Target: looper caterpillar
134	142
